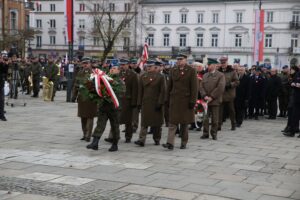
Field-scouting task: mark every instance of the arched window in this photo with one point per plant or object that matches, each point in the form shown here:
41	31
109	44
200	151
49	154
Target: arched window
13	20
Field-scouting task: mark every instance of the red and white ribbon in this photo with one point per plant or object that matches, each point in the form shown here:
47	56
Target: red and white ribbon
101	77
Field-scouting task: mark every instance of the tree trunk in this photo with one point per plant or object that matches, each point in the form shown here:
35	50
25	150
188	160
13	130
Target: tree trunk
106	52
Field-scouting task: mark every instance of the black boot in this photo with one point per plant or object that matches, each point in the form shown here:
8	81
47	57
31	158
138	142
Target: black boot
114	146
94	144
289	134
286	129
168	146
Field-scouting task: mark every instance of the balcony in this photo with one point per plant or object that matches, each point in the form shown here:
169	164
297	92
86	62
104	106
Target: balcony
29	5
295	25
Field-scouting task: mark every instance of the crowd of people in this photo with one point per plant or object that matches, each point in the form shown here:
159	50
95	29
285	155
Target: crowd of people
167	95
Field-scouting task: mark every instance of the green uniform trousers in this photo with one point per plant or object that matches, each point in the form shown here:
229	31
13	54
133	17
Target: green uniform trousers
213	111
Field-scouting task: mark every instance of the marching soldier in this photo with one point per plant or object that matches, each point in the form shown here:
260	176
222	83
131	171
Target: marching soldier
284	91
151	99
129	100
87	109
50	71
212	89
182	95
35	70
232	82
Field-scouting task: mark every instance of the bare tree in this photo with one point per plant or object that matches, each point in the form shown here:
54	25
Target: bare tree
108	23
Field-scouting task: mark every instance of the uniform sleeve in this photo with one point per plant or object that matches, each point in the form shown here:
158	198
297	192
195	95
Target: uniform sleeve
162	94
140	91
169	86
134	89
235	80
219	90
202	90
194	86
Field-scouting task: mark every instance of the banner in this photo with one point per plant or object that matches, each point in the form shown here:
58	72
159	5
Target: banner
69	7
258	50
144	57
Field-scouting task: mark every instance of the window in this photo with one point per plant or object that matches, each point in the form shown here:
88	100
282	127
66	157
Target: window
296	16
127	7
151	18
111	7
127	24
52	23
294	40
81	41
183	18
200	18
96	7
151	39
52	40
96	23
27	22
82	7
182	40
96	41
52	7
38	41
239	17
112	23
200	40
238	40
81	23
167	18
269	17
39	23
166	40
126	41
214	40
13	20
268	40
39	7
215	18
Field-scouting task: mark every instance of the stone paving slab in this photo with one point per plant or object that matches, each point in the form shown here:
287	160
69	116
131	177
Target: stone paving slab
253	162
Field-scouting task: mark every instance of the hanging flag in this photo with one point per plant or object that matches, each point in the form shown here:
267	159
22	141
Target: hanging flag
258	50
69	5
144	57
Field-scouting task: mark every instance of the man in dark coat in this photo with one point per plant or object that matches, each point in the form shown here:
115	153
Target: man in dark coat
151	100
36	70
232	82
51	72
87	109
129	100
3	77
257	89
212	89
242	96
284	91
182	94
273	88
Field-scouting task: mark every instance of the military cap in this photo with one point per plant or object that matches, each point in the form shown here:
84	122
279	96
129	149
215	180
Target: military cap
223	59
133	61
124	62
158	63
237	61
150	63
212	61
285	67
181	55
258	69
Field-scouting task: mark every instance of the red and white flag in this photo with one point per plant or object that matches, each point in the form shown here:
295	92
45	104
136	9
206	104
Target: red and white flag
144	57
69	16
258	50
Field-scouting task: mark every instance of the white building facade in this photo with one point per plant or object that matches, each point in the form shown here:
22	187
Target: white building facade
221	28
49	22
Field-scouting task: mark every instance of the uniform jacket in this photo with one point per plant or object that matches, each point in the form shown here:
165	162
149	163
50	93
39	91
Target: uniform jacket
273	87
36	69
86	108
285	88
182	91
232	82
51	71
213	85
151	95
129	100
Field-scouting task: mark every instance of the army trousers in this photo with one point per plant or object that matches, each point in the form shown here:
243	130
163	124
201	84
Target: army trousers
36	86
103	117
135	118
87	126
213	112
156	133
172	132
230	106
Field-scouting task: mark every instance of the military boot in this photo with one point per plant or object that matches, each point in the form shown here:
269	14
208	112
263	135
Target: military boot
114	146
94	144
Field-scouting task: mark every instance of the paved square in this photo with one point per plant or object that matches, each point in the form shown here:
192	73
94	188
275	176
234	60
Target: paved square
40	149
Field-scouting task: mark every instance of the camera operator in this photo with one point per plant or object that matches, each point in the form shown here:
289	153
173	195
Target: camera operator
3	77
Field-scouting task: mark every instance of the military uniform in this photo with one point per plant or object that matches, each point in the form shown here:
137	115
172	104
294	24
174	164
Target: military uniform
182	96
36	70
87	109
212	85
51	71
128	101
151	99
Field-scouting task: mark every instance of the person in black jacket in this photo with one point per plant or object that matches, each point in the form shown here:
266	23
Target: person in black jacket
3	77
273	87
242	96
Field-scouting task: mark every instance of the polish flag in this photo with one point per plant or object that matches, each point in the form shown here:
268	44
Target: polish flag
144	57
258	51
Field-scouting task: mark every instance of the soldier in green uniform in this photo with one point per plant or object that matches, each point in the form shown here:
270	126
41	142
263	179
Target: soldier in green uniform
151	99
107	111
51	70
35	70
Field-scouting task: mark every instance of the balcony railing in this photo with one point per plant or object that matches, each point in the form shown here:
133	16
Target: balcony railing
295	25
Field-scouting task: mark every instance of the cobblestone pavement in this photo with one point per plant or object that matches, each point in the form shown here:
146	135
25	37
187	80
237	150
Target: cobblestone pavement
42	158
